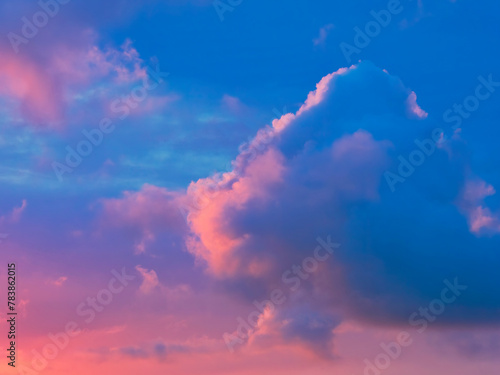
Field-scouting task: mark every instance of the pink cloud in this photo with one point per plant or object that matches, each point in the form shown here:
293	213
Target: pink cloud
147	211
414	108
317	170
149	280
59	282
232	103
481	219
314	98
148	208
26	84
45	86
262	174
207	223
82	65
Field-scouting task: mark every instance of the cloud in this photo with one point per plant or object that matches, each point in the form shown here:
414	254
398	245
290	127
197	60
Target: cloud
472	345
134	352
145	213
232	103
149	280
59	282
23	82
150	207
159	350
18	211
15	215
290	165
45	86
323	34
481	219
319	172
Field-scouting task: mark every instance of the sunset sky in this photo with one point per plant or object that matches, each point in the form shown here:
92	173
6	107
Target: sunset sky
238	187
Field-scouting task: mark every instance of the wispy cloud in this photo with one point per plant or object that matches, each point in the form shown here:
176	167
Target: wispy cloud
323	34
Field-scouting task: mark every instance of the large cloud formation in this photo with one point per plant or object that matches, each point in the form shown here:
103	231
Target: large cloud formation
322	171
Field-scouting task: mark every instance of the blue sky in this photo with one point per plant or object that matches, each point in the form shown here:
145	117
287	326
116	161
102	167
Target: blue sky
221	149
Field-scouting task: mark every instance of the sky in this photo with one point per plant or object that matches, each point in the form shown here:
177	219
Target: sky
239	187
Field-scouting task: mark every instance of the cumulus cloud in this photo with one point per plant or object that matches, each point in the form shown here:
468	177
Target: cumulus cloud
319	172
